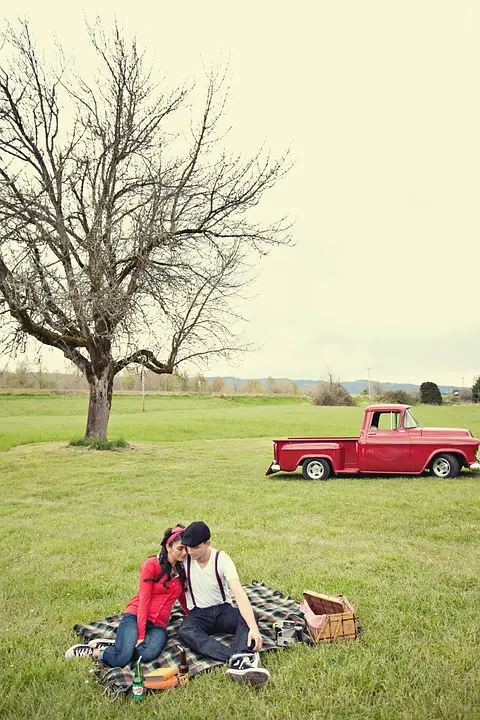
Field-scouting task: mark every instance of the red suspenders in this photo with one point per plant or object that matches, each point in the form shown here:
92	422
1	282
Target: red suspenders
219	581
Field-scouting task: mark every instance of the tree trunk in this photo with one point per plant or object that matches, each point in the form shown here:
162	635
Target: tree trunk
100	402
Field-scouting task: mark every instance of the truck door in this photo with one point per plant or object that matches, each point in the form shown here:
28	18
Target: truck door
388	447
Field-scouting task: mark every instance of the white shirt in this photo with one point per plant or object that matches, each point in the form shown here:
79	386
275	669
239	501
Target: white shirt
204	580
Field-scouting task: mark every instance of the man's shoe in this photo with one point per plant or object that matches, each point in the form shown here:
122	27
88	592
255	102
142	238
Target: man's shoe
79	651
245	667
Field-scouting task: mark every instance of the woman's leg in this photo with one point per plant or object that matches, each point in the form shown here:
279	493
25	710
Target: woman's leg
152	646
120	654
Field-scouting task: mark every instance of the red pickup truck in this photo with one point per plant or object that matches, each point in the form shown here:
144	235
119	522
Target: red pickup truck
391	441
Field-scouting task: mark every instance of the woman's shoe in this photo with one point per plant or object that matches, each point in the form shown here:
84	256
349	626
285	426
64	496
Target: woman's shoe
79	651
101	643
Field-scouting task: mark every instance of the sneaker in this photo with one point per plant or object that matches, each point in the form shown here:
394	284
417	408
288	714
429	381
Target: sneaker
79	651
101	643
245	667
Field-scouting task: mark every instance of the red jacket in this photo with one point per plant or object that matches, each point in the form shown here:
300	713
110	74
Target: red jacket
153	600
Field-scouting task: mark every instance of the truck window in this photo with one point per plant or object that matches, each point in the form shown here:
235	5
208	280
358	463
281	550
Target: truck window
385	421
409	421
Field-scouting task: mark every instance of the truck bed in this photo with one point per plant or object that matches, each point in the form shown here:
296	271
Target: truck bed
330	438
344	451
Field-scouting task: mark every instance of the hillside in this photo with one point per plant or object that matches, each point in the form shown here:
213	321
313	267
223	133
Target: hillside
354	387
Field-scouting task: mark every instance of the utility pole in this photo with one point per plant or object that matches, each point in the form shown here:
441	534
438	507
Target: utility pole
463	381
369	394
142	375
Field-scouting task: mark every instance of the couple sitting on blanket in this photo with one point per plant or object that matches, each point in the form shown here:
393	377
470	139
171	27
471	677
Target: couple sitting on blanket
202	579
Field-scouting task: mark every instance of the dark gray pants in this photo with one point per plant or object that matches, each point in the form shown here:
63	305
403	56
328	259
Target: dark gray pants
200	623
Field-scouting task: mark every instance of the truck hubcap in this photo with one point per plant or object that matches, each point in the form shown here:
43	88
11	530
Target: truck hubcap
441	467
315	470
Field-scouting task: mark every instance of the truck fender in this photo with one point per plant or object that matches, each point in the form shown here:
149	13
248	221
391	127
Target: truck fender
328	452
320	456
450	451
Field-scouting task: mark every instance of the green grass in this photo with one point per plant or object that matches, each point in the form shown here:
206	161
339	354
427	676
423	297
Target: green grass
76	524
95	444
47	418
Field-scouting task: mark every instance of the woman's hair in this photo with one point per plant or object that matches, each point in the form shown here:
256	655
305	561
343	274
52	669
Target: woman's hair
165	567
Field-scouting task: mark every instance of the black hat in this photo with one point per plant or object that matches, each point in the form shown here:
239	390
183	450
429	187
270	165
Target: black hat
196	534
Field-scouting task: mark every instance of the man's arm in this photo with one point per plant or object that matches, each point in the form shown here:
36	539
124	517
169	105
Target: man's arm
246	612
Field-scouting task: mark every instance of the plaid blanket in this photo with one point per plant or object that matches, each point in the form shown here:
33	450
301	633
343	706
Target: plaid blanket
270	605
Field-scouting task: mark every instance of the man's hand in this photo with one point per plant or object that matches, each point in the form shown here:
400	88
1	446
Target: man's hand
139	642
255	637
254	641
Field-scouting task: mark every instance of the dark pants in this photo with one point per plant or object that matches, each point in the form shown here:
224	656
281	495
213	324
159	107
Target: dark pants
124	650
200	623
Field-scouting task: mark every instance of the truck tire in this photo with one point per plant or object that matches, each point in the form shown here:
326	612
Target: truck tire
316	469
445	466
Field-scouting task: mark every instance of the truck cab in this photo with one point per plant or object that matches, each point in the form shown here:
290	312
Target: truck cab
385	441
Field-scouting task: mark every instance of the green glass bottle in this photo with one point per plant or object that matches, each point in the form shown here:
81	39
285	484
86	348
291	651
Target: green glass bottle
138	689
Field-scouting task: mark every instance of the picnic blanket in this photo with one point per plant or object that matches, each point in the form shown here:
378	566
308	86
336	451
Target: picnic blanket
270	605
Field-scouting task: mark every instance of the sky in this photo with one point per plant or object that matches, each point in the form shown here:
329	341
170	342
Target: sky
379	104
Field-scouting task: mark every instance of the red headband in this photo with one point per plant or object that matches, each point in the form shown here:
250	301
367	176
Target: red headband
176	531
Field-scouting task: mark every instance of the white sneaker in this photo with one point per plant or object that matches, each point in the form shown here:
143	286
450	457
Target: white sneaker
255	660
245	667
79	651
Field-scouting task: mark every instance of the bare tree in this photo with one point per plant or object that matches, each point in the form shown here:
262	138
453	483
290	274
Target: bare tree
218	385
122	240
253	387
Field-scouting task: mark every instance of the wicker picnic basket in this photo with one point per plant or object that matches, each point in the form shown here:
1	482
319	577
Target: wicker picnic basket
329	618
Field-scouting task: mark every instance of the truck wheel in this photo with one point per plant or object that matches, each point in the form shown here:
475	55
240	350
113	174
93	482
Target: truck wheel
445	466
316	469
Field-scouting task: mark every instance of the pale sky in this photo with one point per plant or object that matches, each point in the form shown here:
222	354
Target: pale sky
379	102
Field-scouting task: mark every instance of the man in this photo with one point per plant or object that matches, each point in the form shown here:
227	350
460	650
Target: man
212	581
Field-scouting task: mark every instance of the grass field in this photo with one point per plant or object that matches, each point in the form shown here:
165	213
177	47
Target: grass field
76	524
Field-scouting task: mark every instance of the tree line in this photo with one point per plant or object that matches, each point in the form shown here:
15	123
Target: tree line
332	393
24	377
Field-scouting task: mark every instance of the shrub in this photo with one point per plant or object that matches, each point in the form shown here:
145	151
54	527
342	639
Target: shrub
94	444
476	390
414	397
397	396
332	393
430	394
465	395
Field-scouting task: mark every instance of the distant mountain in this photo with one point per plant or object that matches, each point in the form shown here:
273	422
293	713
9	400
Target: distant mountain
354	387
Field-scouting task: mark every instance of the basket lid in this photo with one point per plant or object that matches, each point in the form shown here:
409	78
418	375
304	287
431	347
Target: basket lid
323	604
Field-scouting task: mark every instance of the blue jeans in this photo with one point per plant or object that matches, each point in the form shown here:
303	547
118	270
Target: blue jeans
124	650
200	623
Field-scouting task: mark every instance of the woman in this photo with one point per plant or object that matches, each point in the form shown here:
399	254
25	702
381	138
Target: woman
142	630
